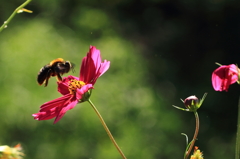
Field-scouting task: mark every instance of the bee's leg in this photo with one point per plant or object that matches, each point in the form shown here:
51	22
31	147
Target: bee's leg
59	78
47	77
46	82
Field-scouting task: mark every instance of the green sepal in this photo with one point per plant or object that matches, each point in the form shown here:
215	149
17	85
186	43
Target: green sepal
85	96
187	110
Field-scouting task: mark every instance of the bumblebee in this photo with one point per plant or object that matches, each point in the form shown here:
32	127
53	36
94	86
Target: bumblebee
56	67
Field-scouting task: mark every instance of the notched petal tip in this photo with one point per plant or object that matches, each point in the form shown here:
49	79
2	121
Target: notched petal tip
34	115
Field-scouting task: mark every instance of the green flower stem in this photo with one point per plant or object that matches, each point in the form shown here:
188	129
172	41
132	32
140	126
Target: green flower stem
13	14
107	130
237	153
194	137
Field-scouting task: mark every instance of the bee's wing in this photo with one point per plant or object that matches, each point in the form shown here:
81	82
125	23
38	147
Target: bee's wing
63	68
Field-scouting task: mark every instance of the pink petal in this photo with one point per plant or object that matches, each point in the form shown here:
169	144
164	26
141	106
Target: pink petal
95	56
55	103
233	70
102	69
83	90
224	76
90	64
54	108
92	67
87	71
50	109
45	115
69	106
83	69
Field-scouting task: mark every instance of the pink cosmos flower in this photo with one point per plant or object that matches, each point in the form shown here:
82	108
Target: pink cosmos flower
75	90
224	76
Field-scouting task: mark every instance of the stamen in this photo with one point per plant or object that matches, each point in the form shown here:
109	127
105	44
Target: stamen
74	84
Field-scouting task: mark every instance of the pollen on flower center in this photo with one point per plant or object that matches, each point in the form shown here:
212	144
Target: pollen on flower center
74	84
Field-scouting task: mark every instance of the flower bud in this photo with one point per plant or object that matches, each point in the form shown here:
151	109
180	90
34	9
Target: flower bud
192	103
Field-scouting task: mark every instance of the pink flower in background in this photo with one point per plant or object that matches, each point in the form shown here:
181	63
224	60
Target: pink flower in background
75	90
224	76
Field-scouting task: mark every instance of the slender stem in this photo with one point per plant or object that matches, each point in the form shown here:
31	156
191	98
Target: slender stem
237	153
194	137
13	14
107	130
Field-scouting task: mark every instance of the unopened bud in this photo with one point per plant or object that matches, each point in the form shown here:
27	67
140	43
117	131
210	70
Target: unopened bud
192	103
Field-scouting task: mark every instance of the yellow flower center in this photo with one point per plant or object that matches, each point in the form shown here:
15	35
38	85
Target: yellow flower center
74	84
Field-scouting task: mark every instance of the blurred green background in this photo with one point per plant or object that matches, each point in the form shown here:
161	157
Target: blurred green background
160	51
